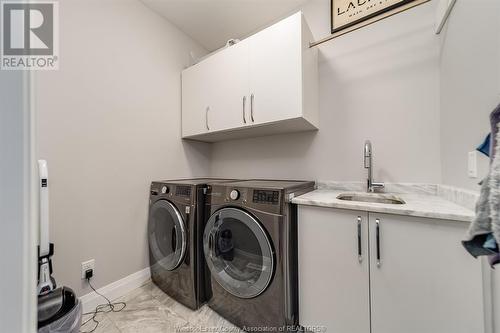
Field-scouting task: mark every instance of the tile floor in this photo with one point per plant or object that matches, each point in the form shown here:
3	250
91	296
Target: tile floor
149	310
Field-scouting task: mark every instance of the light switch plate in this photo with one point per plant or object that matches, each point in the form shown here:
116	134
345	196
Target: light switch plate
472	164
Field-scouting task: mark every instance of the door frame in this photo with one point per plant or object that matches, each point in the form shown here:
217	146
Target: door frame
30	223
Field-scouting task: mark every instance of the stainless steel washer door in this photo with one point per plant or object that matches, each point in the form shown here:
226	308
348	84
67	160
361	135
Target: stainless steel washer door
167	235
238	252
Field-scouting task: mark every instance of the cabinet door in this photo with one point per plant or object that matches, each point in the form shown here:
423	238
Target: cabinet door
197	98
213	92
333	277
276	71
229	88
422	279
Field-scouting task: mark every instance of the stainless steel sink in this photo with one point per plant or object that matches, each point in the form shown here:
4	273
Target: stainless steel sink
372	197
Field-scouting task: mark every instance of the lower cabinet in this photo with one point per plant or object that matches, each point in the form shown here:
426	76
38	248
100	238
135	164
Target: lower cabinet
333	277
378	273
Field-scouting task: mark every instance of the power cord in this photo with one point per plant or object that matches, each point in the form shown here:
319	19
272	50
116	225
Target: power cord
101	308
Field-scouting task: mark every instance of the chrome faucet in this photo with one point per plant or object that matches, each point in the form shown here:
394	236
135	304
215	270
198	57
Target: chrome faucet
371	186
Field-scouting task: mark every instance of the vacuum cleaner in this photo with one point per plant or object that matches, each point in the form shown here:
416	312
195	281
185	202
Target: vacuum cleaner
59	310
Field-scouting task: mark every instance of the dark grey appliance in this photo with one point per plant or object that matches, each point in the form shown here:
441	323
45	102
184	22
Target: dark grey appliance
250	246
175	230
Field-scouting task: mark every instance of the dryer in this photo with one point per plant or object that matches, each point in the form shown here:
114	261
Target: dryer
175	230
250	246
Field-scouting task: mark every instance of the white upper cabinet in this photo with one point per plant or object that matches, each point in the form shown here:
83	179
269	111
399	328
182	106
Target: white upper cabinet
266	84
275	73
195	111
217	88
230	88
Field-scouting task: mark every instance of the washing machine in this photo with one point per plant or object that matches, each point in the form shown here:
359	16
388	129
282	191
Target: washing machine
250	246
175	230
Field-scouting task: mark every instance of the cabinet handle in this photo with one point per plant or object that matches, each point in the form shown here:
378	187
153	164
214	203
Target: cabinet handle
360	250
206	118
244	112
252	97
377	234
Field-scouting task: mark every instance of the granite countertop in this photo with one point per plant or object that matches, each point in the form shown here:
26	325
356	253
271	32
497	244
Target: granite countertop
421	200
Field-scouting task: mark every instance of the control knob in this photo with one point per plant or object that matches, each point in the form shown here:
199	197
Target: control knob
234	195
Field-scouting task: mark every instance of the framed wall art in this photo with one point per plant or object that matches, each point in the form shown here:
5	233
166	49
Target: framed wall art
346	13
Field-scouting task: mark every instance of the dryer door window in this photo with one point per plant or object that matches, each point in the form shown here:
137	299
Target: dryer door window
167	235
238	252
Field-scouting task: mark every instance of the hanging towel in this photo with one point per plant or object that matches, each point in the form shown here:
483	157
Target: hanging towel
494	121
483	235
480	227
487	220
494	199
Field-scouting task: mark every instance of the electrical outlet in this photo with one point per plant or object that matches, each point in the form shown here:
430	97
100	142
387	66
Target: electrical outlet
90	264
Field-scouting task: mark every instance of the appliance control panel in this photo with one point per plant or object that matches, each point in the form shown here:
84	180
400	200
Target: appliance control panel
262	197
172	191
184	191
266	197
266	200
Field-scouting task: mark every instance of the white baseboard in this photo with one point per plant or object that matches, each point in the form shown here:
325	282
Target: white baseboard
115	290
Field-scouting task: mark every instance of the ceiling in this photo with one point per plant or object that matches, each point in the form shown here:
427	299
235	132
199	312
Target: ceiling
212	22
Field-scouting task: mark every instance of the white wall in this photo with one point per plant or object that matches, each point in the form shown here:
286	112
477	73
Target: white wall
470	85
379	83
109	124
16	244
